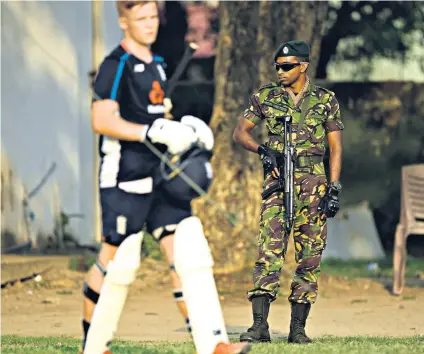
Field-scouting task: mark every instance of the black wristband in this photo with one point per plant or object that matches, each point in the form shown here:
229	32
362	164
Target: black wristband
262	149
334	188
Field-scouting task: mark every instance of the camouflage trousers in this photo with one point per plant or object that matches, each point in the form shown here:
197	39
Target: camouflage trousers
310	236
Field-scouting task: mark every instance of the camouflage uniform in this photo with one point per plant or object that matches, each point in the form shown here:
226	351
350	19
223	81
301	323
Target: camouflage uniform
310	232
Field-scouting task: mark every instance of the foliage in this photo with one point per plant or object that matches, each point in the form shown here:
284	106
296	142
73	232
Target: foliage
383	132
371	29
151	247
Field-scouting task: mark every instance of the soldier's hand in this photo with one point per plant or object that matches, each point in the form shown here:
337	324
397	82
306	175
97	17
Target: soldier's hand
329	204
269	160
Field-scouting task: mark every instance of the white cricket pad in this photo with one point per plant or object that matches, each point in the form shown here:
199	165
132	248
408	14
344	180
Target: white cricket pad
193	263
121	273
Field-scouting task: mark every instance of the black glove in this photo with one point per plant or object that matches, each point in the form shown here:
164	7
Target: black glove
329	204
269	158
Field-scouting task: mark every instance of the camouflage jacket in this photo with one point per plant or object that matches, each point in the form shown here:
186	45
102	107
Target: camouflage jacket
323	116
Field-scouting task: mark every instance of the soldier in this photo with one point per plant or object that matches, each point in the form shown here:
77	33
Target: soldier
315	115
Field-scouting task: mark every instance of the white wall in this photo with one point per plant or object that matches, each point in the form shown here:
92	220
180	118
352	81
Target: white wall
45	58
352	234
112	32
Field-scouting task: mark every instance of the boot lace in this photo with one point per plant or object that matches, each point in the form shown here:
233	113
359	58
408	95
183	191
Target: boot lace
257	321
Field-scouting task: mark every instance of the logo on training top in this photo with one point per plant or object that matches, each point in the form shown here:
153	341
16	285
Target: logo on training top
161	72
138	68
156	96
285	50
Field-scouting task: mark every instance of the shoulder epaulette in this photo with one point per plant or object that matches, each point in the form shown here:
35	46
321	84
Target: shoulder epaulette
316	87
269	85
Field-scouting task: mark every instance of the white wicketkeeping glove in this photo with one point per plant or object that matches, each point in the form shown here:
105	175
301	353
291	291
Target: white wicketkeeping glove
203	132
176	136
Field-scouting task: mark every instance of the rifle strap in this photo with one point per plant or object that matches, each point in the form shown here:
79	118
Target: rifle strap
304	108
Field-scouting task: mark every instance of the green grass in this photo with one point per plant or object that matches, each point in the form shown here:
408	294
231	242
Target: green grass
358	268
351	345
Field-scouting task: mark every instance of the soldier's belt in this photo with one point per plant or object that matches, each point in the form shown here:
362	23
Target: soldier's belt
306	161
301	161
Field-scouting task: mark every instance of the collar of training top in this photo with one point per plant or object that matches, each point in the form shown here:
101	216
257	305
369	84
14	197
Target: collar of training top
156	58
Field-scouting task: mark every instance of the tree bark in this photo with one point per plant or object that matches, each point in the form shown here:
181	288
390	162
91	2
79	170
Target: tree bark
248	39
330	41
237	173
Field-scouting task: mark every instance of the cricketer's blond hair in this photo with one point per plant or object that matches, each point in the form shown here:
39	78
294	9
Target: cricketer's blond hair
123	6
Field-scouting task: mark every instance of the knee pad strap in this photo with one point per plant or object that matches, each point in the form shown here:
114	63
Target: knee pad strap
178	295
101	268
90	293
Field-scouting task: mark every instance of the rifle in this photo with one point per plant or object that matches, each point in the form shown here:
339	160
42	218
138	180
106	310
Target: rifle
287	182
289	161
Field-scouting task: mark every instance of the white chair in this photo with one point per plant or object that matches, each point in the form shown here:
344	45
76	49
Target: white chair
411	220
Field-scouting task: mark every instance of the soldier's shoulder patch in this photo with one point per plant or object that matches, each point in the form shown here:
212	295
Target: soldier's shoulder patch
323	92
268	91
270	85
320	88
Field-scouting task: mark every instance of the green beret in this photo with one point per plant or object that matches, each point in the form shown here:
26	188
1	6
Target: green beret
293	48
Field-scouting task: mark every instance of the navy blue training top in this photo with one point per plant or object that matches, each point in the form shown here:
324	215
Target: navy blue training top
139	88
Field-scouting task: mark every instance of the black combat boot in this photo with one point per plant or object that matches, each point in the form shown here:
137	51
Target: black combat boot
299	314
259	330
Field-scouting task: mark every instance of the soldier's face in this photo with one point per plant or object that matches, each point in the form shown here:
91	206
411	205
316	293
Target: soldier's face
289	69
141	23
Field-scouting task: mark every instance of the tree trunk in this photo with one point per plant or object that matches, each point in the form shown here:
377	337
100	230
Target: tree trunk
330	41
247	28
237	173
